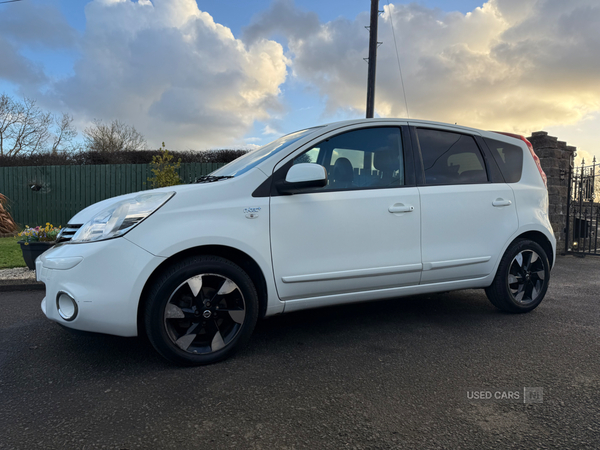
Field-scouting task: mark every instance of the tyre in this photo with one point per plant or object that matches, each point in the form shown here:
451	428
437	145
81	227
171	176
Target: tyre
522	278
201	310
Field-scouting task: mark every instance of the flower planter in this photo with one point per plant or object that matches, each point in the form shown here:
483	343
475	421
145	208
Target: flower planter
32	250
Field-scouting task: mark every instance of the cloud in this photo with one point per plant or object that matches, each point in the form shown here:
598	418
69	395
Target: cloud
36	25
511	64
269	131
31	27
168	69
282	18
17	69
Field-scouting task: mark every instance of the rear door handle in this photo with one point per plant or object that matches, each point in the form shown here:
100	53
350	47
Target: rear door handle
501	202
400	208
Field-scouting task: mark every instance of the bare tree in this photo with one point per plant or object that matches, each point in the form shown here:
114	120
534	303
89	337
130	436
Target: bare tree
24	128
64	133
113	137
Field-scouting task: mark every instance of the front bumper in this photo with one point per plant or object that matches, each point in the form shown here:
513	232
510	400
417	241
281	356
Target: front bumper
106	280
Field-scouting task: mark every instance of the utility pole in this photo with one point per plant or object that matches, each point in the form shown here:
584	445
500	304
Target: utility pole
372	58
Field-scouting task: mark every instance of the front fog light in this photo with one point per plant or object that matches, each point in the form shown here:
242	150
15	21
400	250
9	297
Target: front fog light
66	306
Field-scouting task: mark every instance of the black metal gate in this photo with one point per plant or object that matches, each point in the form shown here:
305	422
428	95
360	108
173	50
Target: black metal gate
583	211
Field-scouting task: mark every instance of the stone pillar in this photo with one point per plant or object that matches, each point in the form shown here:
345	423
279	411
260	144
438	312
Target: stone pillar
556	158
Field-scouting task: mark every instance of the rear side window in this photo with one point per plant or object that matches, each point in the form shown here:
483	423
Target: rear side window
508	157
450	158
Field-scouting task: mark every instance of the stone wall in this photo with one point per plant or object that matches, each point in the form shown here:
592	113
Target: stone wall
556	158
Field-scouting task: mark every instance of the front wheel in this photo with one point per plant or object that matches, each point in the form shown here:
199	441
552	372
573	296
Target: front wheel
522	278
201	311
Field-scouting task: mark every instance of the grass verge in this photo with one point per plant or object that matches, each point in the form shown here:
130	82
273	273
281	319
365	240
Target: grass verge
10	253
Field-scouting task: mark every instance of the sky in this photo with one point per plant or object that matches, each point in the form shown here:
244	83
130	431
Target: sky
200	74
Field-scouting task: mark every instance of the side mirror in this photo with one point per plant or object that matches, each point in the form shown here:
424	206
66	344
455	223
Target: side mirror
301	177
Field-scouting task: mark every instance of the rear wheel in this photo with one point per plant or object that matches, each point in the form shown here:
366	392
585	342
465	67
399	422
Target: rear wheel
201	311
522	278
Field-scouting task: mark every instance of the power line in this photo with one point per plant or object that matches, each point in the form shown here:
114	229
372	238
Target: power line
10	1
398	58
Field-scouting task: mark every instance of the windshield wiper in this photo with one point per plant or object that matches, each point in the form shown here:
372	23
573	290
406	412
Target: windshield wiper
211	178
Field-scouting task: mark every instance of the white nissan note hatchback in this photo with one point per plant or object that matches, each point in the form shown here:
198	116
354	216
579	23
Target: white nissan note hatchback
348	212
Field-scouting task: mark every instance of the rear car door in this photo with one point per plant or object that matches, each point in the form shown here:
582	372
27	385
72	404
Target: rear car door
467	216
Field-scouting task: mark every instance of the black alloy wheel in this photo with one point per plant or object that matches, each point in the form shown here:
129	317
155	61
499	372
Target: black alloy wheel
205	313
522	278
526	277
201	310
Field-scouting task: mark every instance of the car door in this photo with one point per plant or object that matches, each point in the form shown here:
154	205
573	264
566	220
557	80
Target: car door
359	233
466	218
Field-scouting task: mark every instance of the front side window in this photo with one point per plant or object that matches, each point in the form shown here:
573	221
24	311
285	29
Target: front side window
450	158
360	159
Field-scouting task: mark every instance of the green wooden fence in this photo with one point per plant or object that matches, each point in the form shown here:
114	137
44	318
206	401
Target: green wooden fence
55	193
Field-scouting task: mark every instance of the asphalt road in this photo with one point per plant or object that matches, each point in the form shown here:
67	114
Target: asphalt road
391	374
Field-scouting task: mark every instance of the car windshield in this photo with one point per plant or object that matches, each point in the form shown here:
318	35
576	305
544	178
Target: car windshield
252	159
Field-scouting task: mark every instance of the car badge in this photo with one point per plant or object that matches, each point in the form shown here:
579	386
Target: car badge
251	213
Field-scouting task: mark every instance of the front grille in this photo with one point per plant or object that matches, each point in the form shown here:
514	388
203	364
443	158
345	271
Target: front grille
67	233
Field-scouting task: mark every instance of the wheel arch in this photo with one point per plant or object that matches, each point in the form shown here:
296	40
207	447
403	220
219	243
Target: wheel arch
541	239
246	262
499	292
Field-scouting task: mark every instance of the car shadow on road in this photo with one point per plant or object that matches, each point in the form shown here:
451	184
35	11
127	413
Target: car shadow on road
444	308
460	313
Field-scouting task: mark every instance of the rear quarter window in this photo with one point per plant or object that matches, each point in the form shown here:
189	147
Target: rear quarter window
508	157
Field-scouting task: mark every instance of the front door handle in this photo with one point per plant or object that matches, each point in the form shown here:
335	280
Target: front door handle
400	208
501	202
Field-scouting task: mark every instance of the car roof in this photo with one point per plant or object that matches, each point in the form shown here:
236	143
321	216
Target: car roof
345	123
414	122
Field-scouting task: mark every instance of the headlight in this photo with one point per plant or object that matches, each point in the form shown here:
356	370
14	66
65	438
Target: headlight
121	217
